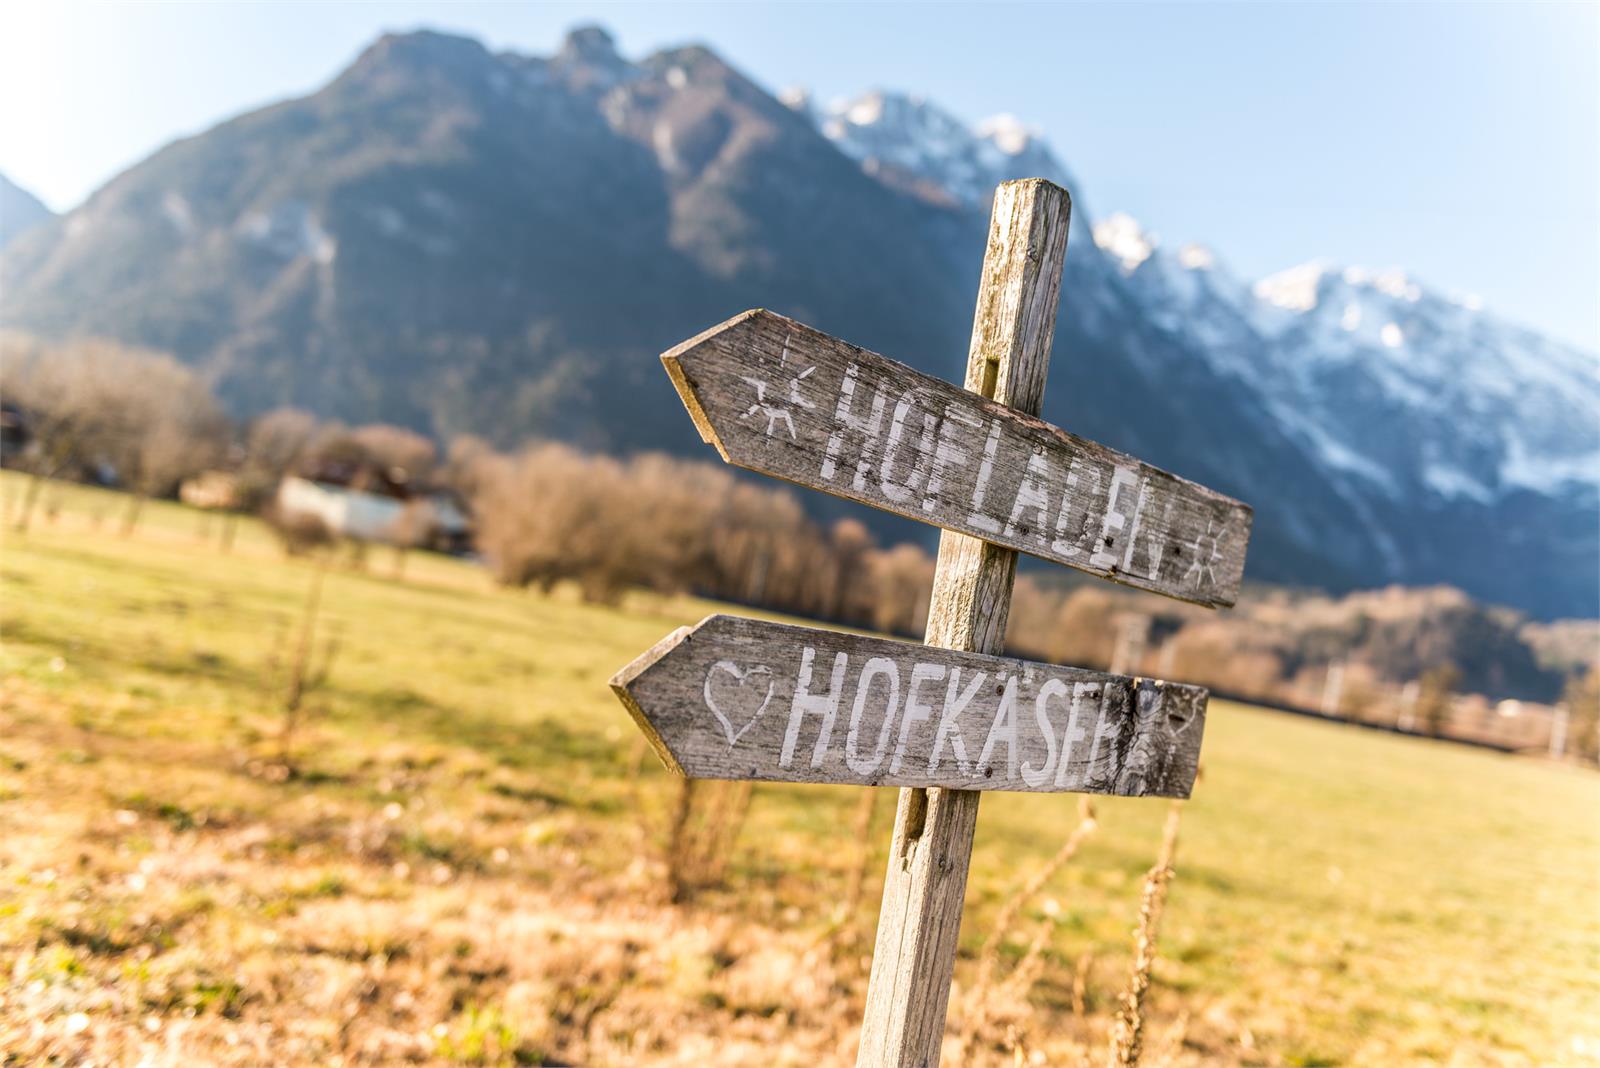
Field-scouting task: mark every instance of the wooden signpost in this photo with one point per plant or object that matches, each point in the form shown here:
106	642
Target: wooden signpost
735	698
778	397
794	704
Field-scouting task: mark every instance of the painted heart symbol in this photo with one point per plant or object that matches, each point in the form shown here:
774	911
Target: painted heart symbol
732	689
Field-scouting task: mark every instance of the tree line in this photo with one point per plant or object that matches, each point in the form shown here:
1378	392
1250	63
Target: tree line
547	514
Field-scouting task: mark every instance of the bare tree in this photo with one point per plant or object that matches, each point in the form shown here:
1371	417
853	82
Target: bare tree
1438	686
166	426
852	546
467	460
405	457
902	582
91	402
1582	699
274	443
411	529
541	516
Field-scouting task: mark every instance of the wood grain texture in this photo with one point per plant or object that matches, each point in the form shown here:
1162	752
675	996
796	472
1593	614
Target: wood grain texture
925	885
737	698
776	396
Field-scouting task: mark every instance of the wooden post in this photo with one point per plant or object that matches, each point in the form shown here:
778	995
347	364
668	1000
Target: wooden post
920	920
1558	732
1133	634
1333	688
741	699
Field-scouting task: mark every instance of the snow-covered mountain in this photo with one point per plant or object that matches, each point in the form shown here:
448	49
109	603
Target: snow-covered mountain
1408	396
1405	397
1394	384
908	141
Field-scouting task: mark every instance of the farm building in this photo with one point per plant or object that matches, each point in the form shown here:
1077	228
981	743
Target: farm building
431	519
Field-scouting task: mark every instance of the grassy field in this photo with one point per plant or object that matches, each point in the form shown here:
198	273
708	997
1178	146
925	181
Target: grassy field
468	865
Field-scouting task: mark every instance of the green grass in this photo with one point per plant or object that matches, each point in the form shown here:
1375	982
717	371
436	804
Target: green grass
1342	897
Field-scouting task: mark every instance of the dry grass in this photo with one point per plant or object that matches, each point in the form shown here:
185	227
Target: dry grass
995	1013
468	866
706	820
1127	1035
280	926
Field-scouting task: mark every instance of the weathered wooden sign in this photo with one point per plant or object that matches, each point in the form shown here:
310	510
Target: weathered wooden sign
740	699
735	698
780	398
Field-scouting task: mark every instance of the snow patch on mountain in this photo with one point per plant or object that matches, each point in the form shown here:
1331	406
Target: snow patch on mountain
1294	289
290	230
1122	238
1409	391
902	136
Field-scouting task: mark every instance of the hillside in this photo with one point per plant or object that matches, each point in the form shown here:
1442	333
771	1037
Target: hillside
19	210
465	241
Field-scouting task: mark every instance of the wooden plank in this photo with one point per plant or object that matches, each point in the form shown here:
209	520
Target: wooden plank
925	884
778	397
736	698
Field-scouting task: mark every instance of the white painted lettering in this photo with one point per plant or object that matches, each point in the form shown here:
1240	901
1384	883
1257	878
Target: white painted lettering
1107	726
1003	729
845	420
915	711
976	516
805	703
1132	538
904	491
878	666
1107	551
1038	776
1077	730
947	452
954	705
1033	495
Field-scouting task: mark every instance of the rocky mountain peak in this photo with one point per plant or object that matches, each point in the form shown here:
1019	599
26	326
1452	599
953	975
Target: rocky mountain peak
588	60
1121	237
911	143
421	52
590	44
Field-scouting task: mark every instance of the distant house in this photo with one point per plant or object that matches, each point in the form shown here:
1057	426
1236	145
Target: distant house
217	490
383	513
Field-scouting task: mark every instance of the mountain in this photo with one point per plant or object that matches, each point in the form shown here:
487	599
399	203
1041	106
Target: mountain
501	244
1454	434
1466	447
19	210
911	143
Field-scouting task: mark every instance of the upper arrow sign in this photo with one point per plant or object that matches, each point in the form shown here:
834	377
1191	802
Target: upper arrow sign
745	699
778	397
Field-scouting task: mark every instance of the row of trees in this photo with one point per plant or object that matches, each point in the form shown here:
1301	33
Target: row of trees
547	514
96	407
97	410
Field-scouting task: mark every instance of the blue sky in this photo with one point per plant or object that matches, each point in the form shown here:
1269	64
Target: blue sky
1459	141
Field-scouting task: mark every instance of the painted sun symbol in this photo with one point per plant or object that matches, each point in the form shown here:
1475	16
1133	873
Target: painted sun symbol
1206	552
778	409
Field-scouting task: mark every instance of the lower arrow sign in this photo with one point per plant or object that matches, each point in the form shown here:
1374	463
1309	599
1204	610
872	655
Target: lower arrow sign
734	698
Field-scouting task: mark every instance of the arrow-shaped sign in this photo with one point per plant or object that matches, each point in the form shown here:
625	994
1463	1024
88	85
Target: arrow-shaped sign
735	698
780	398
